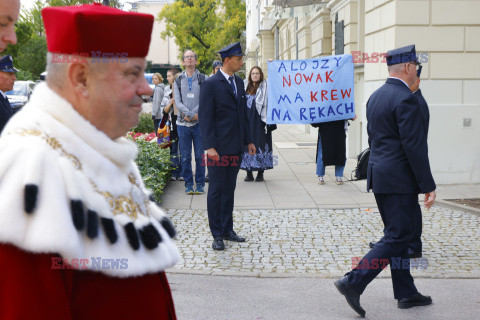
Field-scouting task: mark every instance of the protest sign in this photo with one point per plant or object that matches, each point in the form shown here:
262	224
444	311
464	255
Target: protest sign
310	91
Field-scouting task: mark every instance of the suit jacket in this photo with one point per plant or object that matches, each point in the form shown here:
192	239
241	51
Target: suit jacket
397	135
423	108
222	115
6	112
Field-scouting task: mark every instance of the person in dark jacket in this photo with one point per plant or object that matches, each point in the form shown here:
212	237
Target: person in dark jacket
331	148
256	91
415	244
398	170
7	80
225	132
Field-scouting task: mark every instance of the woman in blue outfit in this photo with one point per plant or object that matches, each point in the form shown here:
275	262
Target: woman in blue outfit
256	89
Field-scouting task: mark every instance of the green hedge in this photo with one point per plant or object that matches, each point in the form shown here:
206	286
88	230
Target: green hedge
145	125
154	164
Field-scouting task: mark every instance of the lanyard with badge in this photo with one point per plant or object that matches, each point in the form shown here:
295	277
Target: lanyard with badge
190	95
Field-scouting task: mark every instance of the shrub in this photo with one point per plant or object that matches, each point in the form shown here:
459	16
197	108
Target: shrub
145	125
153	162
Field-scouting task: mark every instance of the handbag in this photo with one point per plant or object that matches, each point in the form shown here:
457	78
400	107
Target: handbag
164	120
163	137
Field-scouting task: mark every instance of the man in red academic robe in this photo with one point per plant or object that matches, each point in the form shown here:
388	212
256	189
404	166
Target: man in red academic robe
79	237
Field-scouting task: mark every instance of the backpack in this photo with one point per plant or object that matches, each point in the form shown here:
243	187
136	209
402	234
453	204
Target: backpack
200	77
362	165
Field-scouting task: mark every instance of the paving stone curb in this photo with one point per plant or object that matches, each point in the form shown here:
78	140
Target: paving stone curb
475	275
456	206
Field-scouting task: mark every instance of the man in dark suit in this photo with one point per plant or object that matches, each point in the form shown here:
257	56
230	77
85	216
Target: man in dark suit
225	132
7	80
398	170
415	244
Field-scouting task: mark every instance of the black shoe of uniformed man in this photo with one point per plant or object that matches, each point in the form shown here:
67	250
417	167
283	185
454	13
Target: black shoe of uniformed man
352	297
416	300
411	254
218	244
232	236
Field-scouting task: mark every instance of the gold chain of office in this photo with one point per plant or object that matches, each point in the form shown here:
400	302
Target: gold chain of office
119	205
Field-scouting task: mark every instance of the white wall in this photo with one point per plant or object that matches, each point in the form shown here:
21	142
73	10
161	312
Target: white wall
161	51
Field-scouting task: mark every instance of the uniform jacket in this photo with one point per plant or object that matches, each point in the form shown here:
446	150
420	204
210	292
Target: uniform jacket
397	135
222	115
69	191
6	112
423	108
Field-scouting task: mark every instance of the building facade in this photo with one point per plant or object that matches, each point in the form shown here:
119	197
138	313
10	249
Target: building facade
162	51
445	32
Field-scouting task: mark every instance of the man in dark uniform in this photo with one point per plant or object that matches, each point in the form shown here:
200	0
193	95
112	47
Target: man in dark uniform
225	132
398	170
7	80
415	244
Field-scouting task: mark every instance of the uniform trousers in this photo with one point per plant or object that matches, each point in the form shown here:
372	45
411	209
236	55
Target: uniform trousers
415	244
399	214
221	190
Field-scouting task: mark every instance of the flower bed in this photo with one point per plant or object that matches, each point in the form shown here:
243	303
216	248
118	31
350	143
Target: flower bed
153	162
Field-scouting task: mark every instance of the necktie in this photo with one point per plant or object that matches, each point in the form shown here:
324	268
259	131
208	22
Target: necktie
6	99
232	84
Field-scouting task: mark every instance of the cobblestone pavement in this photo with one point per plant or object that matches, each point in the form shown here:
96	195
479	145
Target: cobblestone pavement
322	242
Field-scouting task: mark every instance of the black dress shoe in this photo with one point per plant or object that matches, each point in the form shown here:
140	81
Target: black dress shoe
249	176
411	254
218	244
416	300
353	298
232	236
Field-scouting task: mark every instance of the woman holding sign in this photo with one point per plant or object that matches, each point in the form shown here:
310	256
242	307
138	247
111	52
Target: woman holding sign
256	89
331	148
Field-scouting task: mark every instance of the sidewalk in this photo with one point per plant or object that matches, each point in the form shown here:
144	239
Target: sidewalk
292	184
302	235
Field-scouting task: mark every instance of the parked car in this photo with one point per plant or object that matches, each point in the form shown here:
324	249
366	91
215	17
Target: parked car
149	77
19	96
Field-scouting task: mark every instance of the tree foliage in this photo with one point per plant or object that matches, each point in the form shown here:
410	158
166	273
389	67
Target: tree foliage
204	26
